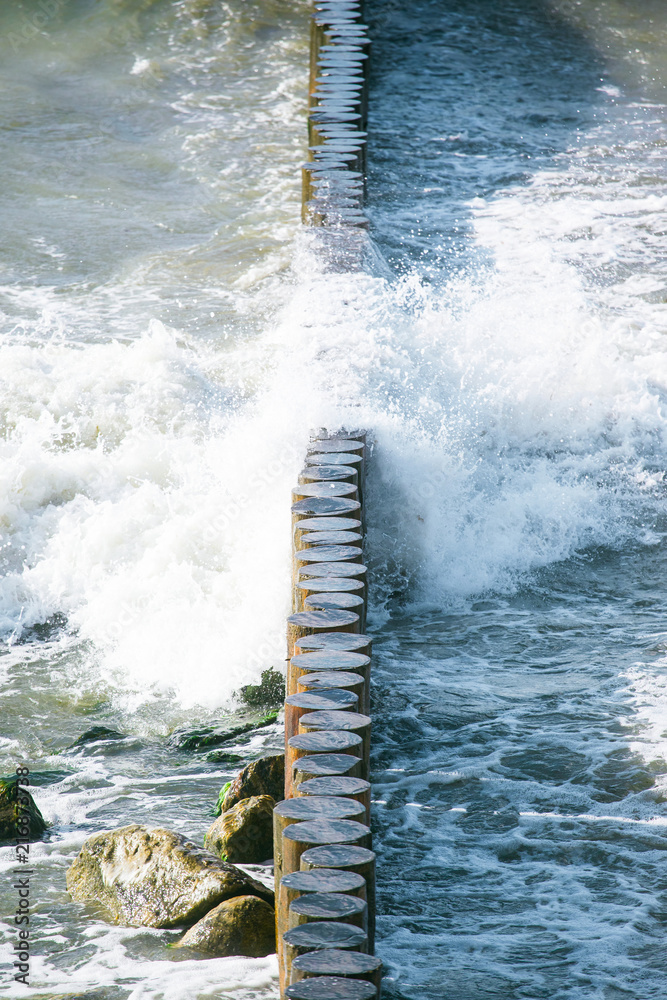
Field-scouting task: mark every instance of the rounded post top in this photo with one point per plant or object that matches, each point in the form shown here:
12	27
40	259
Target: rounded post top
344	641
321	602
326	934
327	680
326	809
334	720
336	445
321	506
324	765
339	785
331	988
332	569
328	524
331	659
327	473
333	458
331	537
332	699
328	553
324	488
323	880
325	831
327	906
340	856
331	584
331	961
323	619
325	742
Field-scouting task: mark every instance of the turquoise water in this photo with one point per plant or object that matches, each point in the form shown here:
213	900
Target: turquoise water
170	335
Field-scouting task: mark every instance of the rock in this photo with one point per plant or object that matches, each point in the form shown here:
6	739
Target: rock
19	815
244	925
96	734
269	693
265	776
244	833
228	730
155	878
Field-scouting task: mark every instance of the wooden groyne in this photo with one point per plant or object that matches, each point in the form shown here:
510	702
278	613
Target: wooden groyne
324	863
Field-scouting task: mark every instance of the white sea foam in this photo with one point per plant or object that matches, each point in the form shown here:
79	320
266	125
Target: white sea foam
151	507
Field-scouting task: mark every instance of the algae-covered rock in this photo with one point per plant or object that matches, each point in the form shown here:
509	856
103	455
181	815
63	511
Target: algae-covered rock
19	815
228	730
265	776
269	693
244	925
155	878
96	734
244	833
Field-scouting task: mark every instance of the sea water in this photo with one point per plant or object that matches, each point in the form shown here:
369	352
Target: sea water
170	336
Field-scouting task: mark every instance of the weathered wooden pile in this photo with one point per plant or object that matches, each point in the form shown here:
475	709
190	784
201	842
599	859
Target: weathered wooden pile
324	865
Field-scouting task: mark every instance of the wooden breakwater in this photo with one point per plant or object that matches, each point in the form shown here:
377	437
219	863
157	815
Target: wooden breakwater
324	864
334	176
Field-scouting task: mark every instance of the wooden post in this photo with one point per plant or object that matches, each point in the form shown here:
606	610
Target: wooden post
339	785
304	623
322	935
330	641
323	524
296	705
326	680
327	661
338	458
316	744
327	906
328	987
324	489
325	765
353	722
333	962
326	813
301	811
319	880
308	539
328	553
299	837
351	602
324	507
326	473
328	585
347	858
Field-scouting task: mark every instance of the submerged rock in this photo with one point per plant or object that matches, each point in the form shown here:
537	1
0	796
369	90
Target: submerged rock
155	878
244	925
19	815
265	776
226	731
244	833
95	735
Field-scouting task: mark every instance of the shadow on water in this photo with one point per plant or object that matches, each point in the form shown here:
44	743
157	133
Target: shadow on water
467	98
520	775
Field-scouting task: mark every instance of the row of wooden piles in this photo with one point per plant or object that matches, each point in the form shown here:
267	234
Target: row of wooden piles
324	865
334	176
